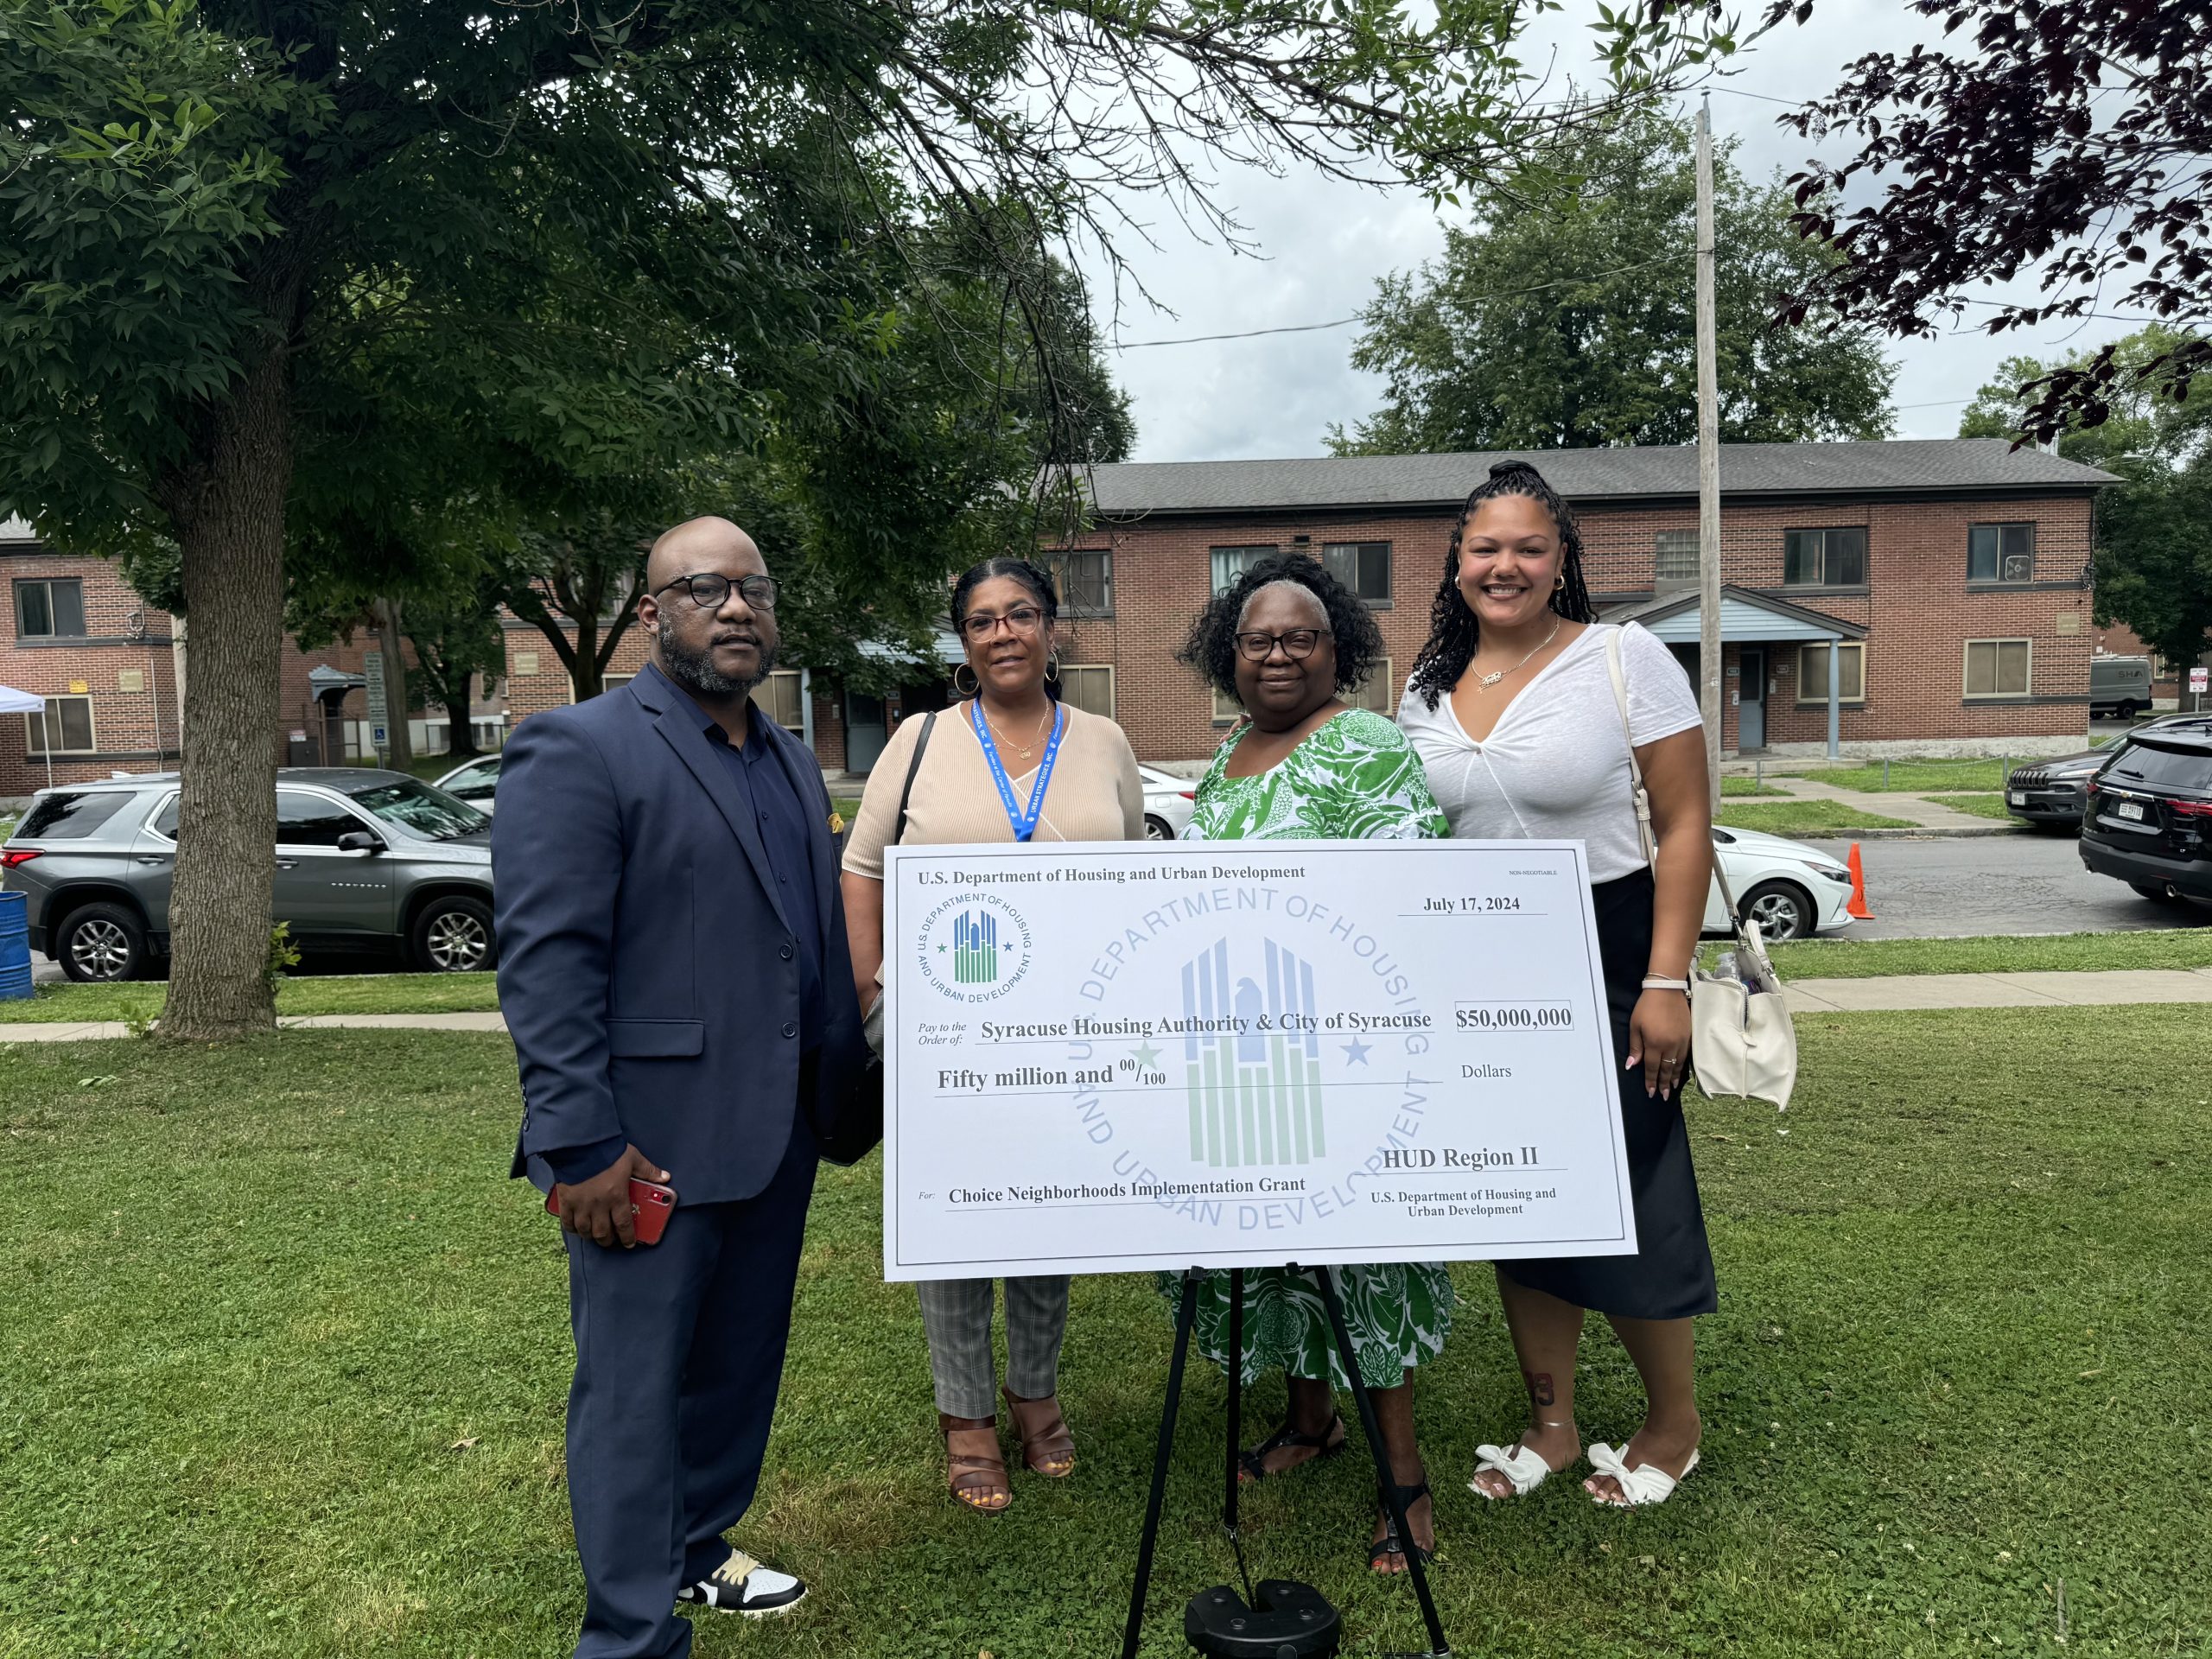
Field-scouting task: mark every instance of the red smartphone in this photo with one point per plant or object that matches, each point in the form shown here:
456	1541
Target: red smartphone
650	1205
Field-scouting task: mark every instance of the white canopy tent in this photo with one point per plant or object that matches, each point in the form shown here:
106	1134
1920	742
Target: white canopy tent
13	702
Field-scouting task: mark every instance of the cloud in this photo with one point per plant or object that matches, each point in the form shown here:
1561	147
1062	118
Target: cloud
1322	244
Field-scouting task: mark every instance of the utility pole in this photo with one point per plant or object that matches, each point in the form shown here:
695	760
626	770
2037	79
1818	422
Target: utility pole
1708	463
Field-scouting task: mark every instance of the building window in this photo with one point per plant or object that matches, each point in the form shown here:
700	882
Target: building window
1088	688
1824	558
1230	562
778	697
1364	566
51	608
1674	556
1378	691
1998	668
70	721
1087	583
1226	711
1813	674
2001	553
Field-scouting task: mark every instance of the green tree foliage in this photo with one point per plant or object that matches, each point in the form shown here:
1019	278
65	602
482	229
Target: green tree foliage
1567	320
283	277
2154	559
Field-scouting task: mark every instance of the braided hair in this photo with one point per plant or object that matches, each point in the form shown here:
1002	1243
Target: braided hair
1453	631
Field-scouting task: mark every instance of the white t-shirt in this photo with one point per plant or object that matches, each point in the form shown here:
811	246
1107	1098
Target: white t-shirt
1555	767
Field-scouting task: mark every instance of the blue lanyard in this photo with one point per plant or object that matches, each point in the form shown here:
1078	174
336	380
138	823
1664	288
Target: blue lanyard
1023	823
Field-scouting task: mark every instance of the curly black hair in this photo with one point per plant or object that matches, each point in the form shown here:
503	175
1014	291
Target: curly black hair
1453	632
1211	646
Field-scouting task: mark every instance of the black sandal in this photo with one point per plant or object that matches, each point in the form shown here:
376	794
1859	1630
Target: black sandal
1254	1461
1388	1543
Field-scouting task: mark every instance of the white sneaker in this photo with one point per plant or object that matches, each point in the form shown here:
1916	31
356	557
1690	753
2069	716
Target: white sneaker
742	1585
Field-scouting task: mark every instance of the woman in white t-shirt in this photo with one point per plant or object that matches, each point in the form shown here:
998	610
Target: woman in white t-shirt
1511	707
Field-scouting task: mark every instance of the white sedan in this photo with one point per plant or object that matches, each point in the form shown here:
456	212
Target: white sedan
1792	891
475	781
1168	803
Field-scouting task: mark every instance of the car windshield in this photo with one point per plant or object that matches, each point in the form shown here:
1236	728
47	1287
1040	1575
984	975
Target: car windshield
2177	769
422	811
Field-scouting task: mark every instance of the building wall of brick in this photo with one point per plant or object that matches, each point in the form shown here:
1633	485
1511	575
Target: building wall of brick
1917	605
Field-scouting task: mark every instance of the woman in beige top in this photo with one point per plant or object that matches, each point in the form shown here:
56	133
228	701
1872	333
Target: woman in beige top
1004	611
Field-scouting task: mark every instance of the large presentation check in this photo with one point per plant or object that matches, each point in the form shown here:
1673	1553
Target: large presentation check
1101	1058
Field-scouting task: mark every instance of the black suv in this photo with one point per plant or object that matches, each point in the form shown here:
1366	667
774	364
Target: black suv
2149	818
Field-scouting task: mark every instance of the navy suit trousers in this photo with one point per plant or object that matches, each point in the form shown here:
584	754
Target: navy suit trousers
679	1353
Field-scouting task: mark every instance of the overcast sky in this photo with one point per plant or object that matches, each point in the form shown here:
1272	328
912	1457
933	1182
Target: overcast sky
1323	244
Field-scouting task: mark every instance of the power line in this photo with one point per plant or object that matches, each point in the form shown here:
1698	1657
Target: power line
1245	334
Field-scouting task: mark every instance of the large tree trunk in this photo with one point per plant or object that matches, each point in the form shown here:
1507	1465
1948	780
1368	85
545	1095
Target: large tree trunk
463	741
391	644
229	514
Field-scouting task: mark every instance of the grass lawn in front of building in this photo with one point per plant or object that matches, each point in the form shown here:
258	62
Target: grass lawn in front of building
1845	957
1805	818
1917	776
1733	788
285	1362
1981	805
305	995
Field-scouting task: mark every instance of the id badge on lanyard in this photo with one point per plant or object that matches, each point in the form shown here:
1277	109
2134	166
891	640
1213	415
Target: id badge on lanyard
1023	820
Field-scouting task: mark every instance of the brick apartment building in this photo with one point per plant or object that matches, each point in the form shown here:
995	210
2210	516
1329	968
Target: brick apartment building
1946	581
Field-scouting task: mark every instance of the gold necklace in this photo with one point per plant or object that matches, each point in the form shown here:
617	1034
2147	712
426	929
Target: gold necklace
1024	749
1484	681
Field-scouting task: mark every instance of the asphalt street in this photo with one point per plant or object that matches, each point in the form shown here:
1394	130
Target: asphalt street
1996	884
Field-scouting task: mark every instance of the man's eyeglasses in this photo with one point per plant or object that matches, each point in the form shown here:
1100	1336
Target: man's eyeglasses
1022	618
1297	645
710	592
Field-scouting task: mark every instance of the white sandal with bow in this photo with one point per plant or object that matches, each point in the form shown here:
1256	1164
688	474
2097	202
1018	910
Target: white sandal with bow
1641	1487
1527	1470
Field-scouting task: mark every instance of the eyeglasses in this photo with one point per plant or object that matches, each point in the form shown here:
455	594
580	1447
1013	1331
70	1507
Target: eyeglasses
1022	618
710	592
1297	645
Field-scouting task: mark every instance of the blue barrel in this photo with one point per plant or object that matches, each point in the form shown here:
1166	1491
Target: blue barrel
14	946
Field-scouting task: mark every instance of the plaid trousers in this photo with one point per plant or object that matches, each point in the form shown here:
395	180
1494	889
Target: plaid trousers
957	1314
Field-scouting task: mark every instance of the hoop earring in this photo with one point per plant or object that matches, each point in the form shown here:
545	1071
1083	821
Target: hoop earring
1052	665
1559	582
976	690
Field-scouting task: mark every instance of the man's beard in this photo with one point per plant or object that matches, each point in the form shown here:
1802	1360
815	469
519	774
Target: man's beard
695	671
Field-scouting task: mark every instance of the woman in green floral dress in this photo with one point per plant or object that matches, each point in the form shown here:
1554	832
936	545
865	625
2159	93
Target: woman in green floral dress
1286	638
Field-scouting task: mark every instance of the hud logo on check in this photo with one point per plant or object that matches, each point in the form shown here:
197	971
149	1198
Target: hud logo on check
974	948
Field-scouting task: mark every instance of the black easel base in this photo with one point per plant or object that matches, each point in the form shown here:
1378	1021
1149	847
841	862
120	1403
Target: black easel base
1211	1621
1291	1621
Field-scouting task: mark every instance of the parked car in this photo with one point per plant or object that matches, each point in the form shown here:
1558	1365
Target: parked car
2119	685
367	862
475	781
2149	822
1168	803
1792	891
2052	793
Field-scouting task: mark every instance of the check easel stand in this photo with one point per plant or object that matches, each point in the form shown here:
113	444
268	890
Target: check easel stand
1283	1620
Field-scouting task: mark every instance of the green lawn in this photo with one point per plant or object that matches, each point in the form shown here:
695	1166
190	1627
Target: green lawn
1982	807
285	1359
1850	958
317	994
1917	776
1806	817
1732	788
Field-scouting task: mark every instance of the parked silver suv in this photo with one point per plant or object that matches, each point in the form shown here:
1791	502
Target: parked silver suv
366	861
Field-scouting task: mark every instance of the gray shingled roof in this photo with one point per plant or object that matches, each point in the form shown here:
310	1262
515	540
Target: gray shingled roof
1915	464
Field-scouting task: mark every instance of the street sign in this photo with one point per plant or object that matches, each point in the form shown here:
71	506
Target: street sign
2200	679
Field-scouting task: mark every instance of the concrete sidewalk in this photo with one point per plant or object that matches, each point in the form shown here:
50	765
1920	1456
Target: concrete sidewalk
1923	814
2088	990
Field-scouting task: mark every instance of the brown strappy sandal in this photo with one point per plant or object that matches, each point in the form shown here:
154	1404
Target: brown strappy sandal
975	1467
1046	1445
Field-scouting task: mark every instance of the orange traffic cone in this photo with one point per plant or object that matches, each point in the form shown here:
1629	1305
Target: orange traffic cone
1857	908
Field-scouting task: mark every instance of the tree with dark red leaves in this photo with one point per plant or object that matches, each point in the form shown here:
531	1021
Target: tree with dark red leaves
2072	139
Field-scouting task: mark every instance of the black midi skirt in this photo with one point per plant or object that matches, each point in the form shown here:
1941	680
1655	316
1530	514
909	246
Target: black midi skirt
1670	1276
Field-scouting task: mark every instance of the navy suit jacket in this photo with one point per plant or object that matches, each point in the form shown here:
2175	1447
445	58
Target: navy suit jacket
648	977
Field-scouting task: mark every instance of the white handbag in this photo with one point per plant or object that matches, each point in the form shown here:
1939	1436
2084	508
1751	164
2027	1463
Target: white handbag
1741	1040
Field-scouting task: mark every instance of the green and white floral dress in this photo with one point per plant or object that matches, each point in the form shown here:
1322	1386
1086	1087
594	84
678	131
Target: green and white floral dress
1354	778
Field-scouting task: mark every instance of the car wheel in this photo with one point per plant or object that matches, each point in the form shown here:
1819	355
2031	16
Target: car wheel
102	944
1783	910
2153	891
1156	828
454	936
2126	710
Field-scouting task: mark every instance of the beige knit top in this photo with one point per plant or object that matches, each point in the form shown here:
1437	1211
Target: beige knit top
1096	794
